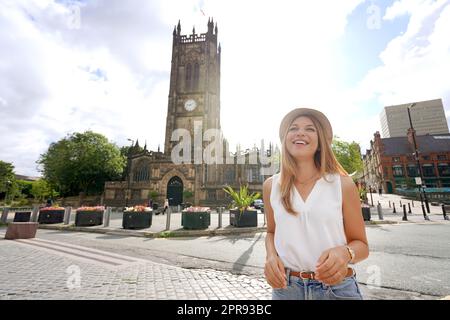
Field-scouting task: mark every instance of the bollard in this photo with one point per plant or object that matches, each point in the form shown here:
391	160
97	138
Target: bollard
424	214
220	216
444	213
389	203
107	217
4	215
67	213
409	208
401	203
380	212
34	214
178	208
413	203
393	204
169	211
405	218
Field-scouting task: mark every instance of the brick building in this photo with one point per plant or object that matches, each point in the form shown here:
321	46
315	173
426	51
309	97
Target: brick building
390	163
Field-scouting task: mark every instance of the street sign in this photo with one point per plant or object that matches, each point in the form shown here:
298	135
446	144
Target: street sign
418	180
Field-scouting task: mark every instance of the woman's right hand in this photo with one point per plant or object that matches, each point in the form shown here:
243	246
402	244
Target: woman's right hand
274	272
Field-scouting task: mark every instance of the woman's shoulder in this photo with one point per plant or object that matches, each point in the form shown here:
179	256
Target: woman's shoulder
347	182
269	181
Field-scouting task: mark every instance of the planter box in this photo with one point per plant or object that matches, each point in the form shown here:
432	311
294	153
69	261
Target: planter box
22	216
51	216
137	220
195	220
88	218
21	230
366	213
248	218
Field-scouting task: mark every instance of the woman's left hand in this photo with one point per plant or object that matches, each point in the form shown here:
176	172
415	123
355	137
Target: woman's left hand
332	266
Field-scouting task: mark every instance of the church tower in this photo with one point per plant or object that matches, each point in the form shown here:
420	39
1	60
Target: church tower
194	93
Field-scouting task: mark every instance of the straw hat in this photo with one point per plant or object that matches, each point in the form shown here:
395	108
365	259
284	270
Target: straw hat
294	114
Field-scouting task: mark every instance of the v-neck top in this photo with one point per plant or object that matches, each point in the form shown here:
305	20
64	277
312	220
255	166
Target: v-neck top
300	240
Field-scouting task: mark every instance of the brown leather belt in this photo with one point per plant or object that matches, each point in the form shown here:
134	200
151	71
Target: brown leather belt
311	275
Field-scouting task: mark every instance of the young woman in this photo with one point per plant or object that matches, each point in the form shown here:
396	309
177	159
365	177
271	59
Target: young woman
315	228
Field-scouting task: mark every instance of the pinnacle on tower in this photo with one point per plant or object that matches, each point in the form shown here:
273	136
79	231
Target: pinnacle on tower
179	28
216	29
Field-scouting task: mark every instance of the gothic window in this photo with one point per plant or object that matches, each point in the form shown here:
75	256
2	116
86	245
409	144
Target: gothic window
229	176
188	77
141	173
196	76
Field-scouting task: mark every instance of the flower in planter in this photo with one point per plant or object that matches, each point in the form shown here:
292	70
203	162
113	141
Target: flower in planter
197	209
51	209
97	208
138	209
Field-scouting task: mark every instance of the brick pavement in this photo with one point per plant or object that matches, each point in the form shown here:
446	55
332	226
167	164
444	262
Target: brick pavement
31	272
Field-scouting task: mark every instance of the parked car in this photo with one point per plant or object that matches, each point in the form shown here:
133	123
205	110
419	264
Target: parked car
258	204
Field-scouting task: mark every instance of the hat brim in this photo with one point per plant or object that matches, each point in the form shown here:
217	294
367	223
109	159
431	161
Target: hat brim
294	114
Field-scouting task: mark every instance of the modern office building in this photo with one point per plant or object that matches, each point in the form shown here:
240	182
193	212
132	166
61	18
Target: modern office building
428	117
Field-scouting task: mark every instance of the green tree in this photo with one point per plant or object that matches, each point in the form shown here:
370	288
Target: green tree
42	190
81	162
8	185
348	155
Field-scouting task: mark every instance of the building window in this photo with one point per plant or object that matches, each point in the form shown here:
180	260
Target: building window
442	157
412	170
141	174
188	77
426	157
397	171
444	170
196	76
396	159
428	170
229	176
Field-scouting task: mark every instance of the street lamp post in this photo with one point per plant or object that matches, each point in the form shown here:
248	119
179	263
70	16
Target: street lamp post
416	155
128	193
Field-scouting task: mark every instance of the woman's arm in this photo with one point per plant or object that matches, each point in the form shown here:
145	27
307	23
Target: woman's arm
273	268
355	229
333	263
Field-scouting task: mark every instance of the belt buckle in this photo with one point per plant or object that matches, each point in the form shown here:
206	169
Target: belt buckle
308	278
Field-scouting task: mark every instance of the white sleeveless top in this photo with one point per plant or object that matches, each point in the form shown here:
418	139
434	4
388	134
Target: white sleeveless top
300	240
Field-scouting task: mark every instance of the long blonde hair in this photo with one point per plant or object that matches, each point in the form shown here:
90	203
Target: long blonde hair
324	160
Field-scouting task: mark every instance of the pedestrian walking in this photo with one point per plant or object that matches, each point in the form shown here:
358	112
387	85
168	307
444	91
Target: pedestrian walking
166	205
380	191
315	228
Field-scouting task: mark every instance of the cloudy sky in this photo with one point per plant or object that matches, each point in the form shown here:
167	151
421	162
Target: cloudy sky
104	65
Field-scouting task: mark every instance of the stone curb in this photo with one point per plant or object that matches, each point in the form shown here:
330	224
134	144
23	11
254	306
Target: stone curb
162	234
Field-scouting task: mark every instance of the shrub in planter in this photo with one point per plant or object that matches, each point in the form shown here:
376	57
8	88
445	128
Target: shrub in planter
241	213
89	216
196	218
49	215
22	216
246	218
137	217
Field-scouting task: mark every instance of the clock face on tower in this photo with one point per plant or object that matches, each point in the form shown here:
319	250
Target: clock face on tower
190	105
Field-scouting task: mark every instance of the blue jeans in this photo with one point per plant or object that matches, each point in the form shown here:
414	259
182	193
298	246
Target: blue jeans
305	289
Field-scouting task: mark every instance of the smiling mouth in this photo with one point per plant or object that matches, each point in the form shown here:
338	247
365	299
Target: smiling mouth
300	142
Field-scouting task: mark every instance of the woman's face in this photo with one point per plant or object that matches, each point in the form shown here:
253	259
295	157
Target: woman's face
302	139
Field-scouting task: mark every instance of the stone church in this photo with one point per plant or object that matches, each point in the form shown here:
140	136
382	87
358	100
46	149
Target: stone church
194	100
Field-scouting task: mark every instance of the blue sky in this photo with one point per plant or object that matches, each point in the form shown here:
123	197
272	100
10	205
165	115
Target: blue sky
104	65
